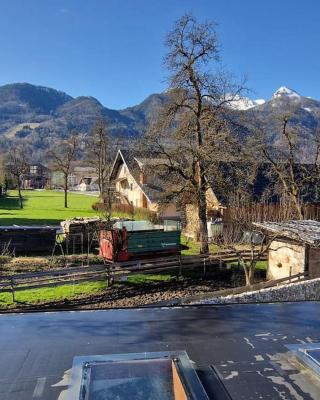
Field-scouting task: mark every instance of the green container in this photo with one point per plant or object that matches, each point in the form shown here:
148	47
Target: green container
153	241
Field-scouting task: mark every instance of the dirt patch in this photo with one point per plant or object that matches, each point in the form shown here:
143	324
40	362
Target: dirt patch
124	295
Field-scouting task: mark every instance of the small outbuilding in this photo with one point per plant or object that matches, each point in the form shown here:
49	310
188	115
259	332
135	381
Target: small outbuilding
295	248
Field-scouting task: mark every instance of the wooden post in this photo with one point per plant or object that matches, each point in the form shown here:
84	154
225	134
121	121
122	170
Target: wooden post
204	266
88	247
67	251
108	275
81	236
12	289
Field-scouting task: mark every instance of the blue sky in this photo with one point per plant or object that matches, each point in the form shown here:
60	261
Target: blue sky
113	49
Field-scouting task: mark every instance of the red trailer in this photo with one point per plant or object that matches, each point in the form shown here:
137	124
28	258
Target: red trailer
138	239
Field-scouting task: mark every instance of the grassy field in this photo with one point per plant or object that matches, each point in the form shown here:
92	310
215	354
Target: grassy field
70	291
43	207
52	294
194	247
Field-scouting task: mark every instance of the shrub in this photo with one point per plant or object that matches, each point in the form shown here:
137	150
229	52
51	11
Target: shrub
123	208
99	207
127	211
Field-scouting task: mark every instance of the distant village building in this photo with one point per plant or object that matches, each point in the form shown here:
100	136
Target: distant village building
81	178
295	248
36	177
88	184
85	179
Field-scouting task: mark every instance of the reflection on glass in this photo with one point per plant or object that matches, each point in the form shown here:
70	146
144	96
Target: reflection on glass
155	379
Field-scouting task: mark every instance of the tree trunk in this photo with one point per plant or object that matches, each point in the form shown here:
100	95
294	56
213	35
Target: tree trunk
298	207
249	274
202	214
19	192
66	191
101	186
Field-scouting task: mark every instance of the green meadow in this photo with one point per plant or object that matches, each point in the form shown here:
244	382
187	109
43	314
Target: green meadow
44	207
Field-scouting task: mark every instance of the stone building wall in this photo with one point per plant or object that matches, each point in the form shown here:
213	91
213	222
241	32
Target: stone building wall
191	228
285	257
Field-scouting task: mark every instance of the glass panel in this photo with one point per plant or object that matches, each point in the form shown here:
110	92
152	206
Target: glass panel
155	379
314	354
135	376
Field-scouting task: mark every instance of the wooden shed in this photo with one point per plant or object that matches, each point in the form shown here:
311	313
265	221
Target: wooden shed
295	248
24	240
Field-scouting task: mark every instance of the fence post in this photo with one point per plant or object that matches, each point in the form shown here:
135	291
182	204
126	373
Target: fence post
88	248
204	266
12	289
108	275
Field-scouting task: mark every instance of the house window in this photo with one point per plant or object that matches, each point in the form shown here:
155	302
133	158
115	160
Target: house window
131	186
33	169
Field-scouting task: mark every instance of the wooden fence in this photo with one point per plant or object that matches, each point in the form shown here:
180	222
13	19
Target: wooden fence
260	212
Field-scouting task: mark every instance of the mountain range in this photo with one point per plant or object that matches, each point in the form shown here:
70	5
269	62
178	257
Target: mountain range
38	115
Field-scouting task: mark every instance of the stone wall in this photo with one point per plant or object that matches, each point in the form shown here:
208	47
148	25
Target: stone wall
285	258
297	291
191	228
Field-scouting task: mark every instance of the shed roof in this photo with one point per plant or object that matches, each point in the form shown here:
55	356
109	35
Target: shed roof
304	231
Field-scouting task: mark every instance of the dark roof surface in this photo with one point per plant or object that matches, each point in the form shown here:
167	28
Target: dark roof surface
304	231
239	351
257	181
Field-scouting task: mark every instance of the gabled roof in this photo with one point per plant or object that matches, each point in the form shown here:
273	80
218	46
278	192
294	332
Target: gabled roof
135	161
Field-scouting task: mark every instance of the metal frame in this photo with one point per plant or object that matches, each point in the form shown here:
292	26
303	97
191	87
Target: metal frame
300	352
189	378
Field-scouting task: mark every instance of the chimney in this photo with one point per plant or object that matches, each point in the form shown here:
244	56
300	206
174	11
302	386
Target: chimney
142	178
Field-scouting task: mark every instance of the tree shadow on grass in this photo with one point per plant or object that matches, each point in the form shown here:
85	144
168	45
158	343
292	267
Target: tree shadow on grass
28	221
11	203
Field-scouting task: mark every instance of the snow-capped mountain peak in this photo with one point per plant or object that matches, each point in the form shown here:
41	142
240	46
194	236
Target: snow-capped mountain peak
259	102
244	103
284	91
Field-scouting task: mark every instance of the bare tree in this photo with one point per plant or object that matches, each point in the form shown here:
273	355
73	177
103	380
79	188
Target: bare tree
101	149
192	130
61	157
17	165
284	157
249	244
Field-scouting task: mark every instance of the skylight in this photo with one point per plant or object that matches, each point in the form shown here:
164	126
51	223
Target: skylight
308	354
139	376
